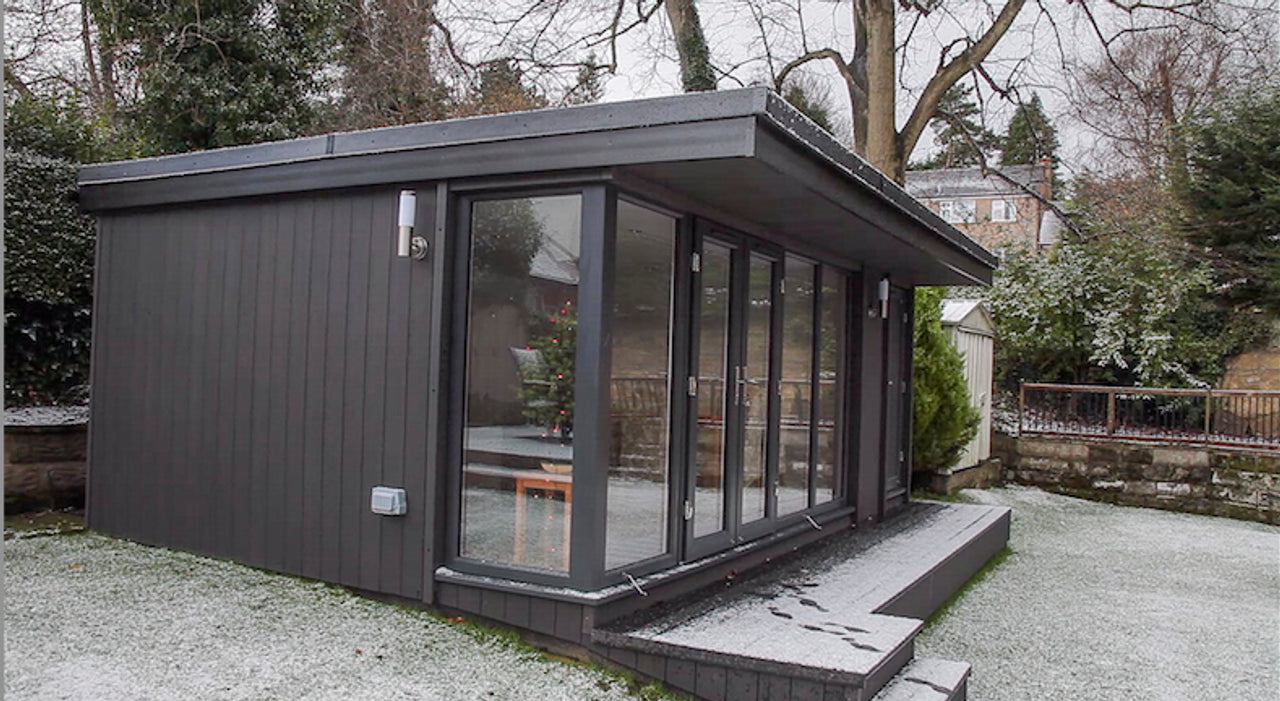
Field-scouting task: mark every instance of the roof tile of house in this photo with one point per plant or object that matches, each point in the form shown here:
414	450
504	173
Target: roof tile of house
970	182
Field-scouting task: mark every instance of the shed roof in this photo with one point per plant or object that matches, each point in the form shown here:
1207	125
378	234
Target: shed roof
968	314
742	151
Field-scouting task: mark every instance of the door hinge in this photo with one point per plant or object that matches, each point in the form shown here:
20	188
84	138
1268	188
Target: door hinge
688	510
696	263
693	386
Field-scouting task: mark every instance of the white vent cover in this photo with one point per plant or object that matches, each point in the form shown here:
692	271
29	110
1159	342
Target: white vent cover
389	501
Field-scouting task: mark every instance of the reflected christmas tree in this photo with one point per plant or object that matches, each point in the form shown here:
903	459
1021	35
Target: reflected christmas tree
547	384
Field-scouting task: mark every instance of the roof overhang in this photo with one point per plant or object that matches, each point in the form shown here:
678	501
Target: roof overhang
745	151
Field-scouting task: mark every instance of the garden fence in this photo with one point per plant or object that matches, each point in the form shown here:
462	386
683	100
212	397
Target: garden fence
1230	417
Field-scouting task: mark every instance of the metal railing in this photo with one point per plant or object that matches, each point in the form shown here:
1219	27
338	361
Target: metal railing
1230	417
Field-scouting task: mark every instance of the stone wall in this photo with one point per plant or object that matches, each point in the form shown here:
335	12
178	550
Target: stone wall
1202	480
44	467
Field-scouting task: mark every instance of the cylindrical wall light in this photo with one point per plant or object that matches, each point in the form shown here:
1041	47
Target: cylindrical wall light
884	297
405	220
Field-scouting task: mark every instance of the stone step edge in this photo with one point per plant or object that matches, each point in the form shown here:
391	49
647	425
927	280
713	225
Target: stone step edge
925	679
890	663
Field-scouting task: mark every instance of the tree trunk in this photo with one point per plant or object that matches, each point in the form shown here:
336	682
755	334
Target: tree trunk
1175	142
696	74
875	51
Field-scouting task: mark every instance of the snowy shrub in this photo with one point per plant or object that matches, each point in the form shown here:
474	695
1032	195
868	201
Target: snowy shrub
943	420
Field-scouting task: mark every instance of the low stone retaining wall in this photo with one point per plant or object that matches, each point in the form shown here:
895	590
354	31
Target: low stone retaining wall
44	467
1194	479
987	473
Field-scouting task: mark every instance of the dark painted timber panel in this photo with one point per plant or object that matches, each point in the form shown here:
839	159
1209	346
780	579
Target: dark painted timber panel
257	369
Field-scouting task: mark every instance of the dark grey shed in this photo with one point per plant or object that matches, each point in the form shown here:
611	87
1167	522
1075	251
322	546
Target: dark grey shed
263	358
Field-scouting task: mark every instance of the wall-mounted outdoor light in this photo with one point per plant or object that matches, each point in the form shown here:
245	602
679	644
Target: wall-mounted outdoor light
408	245
884	297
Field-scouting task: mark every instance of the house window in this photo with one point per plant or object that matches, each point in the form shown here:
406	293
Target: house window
958	211
1003	210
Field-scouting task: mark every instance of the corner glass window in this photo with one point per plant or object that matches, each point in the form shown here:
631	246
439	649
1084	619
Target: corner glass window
640	386
517	466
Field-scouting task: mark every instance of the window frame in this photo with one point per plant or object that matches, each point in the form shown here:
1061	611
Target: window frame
1008	210
587	569
947	210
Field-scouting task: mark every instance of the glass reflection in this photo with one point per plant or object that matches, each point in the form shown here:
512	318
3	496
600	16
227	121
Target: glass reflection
517	479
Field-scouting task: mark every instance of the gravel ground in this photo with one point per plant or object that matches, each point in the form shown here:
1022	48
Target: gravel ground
1103	602
89	617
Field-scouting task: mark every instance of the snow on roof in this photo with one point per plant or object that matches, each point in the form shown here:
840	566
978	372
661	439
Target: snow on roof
968	314
971	182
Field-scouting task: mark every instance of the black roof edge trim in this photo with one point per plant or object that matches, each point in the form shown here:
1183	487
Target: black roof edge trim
794	124
608	116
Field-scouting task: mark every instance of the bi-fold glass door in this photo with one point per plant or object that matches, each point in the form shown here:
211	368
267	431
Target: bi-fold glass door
733	425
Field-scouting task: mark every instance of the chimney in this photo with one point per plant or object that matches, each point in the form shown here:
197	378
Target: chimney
1046	177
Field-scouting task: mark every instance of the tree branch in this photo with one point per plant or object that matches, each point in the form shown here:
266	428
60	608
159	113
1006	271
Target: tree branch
834	56
951	73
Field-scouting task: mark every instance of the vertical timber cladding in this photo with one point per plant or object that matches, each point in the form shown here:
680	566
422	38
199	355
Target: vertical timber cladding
259	366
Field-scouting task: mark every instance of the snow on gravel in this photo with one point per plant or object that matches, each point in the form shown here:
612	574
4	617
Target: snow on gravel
1103	602
89	617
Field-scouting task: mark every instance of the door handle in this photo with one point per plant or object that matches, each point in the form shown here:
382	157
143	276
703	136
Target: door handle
739	380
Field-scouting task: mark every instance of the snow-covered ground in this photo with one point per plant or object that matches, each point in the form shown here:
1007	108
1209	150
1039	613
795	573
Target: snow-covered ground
89	617
1102	602
1096	602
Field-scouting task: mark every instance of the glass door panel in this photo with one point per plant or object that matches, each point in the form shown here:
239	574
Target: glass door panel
754	387
796	387
710	434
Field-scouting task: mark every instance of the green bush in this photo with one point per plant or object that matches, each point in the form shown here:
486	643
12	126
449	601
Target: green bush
944	421
48	253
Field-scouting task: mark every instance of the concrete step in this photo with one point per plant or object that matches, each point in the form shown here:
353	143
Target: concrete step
837	622
928	680
850	655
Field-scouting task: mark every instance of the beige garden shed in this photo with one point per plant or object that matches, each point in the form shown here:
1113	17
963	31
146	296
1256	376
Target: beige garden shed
973	333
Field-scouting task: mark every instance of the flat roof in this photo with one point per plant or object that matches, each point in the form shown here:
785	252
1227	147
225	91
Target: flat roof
745	151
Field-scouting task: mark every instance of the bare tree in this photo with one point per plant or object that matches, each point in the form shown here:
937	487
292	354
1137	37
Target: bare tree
1140	90
562	47
888	37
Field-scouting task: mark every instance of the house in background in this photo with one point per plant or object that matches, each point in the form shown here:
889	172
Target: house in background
990	209
549	368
